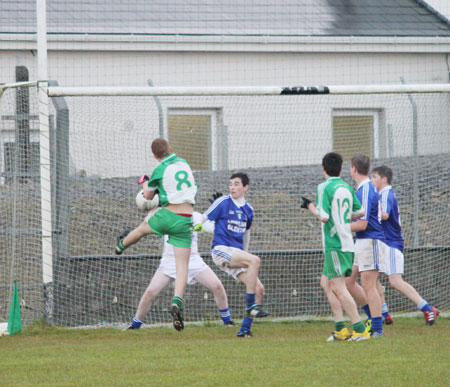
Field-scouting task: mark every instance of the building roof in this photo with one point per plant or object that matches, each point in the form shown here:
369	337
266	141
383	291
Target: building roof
233	17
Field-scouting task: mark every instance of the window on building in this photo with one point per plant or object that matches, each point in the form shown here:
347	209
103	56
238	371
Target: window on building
357	131
196	135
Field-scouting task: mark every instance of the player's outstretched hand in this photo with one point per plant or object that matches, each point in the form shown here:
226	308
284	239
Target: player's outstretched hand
199	227
305	202
143	179
215	196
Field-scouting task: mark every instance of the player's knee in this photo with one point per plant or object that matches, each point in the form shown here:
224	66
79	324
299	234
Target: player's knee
324	284
350	282
143	228
217	288
150	295
333	287
255	261
395	282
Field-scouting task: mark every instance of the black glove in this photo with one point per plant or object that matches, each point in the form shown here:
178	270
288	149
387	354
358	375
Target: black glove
305	202
215	196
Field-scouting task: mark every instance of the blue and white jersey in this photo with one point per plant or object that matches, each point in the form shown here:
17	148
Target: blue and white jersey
368	196
392	227
231	221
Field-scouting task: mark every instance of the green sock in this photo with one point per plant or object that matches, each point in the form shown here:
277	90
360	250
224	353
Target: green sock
359	327
338	325
120	245
178	301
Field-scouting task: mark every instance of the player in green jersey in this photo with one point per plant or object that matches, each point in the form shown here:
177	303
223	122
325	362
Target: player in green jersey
175	183
337	207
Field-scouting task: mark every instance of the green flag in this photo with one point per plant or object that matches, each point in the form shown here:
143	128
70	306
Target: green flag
14	320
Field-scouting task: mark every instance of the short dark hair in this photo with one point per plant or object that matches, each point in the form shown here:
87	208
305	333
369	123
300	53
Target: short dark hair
384	171
361	163
332	163
160	148
244	178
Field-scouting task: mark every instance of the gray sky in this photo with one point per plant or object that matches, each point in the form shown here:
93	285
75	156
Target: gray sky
442	6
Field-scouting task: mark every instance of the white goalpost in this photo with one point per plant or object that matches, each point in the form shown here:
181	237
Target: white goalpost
99	144
245	90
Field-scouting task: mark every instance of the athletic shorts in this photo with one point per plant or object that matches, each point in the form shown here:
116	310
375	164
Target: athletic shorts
393	261
167	266
221	256
369	254
177	227
337	264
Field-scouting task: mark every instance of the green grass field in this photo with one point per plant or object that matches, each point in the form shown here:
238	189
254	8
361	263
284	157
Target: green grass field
279	354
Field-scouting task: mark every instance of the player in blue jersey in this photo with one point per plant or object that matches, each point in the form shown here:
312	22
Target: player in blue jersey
368	246
394	259
233	217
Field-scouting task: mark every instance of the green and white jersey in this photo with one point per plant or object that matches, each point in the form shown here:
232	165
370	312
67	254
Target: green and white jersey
336	201
174	180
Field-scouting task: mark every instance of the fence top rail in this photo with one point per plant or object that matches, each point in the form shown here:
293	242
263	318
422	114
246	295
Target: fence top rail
5	86
54	91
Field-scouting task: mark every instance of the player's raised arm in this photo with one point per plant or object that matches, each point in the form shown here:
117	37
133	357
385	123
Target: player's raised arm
209	226
309	205
148	192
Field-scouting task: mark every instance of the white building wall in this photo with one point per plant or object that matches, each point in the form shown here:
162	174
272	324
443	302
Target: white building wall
110	138
115	68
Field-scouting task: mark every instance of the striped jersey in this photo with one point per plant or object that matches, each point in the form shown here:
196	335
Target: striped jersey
392	227
368	196
174	180
231	221
336	201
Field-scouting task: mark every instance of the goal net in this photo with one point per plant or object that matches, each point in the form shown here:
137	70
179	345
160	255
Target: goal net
100	145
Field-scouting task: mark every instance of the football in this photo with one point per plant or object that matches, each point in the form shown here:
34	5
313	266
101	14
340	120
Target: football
146	205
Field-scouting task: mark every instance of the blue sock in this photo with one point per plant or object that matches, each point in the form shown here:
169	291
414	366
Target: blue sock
377	324
424	306
246	324
225	315
136	323
250	298
367	310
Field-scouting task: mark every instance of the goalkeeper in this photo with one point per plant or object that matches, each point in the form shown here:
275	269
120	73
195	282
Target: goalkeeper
199	272
233	217
175	183
337	206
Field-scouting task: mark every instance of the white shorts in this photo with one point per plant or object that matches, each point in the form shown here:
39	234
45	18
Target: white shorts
168	267
393	261
221	256
369	254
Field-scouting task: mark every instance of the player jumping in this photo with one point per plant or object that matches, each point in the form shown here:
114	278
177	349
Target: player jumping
175	183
